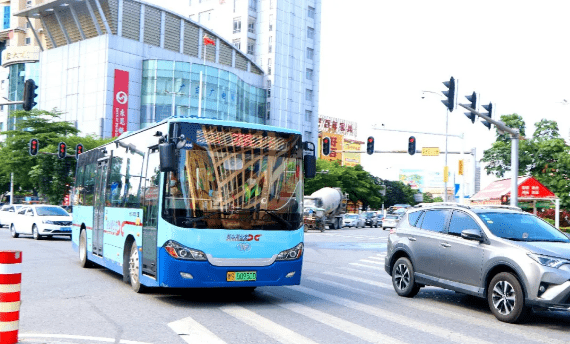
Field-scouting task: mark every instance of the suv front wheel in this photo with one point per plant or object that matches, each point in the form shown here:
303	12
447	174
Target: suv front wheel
506	298
403	278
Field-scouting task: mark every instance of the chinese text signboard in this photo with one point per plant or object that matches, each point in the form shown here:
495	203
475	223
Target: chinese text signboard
351	159
337	126
120	102
336	147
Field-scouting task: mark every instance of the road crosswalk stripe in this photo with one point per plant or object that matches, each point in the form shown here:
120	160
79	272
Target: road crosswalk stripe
368	266
379	258
337	323
358	279
192	331
371	261
268	327
402	320
431	307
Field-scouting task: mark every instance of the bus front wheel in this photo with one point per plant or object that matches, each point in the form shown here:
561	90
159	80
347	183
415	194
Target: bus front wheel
134	269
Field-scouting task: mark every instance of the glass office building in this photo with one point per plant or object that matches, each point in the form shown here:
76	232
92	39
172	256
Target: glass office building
173	88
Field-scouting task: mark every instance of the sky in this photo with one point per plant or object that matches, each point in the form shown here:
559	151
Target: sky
378	56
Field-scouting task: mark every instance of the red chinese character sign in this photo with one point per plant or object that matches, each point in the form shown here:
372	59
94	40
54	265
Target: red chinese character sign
335	147
120	102
337	126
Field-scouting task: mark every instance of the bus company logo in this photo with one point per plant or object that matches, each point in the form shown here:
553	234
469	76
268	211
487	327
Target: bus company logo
243	237
122	97
188	145
244	247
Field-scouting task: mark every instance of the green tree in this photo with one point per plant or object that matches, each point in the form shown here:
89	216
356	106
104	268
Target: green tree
398	193
44	173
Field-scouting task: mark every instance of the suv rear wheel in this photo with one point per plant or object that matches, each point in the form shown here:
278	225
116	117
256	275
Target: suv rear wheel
403	278
506	298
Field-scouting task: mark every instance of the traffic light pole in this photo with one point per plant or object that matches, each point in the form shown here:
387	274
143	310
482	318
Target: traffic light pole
515	136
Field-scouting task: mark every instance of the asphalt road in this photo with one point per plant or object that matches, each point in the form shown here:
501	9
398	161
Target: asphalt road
345	297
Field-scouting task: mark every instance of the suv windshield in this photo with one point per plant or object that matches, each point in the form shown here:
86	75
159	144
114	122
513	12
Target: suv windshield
51	211
521	227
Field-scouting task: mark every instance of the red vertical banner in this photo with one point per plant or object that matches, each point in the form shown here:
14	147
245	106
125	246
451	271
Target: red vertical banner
120	102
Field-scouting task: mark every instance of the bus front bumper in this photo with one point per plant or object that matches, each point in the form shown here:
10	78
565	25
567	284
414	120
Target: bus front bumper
176	273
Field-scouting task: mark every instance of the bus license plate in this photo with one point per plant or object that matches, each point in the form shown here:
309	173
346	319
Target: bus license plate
241	276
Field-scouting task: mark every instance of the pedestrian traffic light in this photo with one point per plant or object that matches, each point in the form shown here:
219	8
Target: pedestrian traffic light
29	94
451	94
474	99
490	113
78	150
370	145
62	150
326	146
505	200
412	145
34	145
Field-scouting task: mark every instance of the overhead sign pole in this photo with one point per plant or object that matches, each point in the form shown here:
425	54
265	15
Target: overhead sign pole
515	135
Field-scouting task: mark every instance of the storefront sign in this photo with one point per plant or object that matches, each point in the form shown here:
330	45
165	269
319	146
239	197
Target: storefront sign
120	102
13	55
336	147
337	126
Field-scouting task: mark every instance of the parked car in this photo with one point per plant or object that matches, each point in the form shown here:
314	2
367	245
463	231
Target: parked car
41	220
512	258
7	212
371	219
379	219
390	221
353	220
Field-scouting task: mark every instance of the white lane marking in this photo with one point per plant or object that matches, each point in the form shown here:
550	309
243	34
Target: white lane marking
358	279
8	269
378	258
432	329
371	261
65	336
275	331
367	266
489	322
192	331
337	323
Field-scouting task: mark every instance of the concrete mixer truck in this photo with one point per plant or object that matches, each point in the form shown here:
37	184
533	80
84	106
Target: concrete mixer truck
324	207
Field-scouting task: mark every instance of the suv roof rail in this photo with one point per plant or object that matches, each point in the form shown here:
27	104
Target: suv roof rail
435	204
511	207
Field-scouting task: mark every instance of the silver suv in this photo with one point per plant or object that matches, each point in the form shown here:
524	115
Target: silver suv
513	259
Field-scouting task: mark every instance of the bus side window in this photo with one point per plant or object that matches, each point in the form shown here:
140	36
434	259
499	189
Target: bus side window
78	194
89	184
115	183
152	190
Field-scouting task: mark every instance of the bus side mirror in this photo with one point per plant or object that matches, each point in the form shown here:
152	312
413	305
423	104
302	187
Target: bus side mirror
309	161
167	157
310	166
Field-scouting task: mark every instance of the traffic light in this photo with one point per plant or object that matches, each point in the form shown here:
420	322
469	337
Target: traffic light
412	145
62	150
78	150
505	200
29	94
34	145
451	94
474	99
370	145
490	113
326	146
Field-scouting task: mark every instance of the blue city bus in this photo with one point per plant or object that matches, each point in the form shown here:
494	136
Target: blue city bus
194	203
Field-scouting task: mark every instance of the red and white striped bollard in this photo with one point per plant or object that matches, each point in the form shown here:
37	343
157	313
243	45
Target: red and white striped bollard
10	281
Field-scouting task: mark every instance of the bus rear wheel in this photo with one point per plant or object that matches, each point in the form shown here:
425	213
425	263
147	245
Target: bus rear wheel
83	261
134	269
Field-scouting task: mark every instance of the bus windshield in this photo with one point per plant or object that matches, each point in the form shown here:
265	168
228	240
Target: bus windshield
234	178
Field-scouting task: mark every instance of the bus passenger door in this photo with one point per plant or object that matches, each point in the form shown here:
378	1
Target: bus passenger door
150	216
99	206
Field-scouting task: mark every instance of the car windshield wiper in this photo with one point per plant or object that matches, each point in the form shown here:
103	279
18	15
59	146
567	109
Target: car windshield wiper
516	239
550	240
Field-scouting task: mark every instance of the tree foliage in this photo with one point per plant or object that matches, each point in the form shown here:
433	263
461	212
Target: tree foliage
359	184
545	156
43	174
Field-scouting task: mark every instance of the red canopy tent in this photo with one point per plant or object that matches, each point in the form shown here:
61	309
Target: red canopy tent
529	190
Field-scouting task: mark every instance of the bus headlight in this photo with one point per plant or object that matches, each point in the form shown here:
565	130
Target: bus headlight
292	253
179	251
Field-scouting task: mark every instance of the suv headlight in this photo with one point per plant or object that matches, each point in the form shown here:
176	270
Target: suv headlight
179	251
49	222
292	253
551	262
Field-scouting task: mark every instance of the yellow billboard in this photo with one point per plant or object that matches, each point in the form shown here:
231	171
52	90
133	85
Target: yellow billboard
336	147
351	159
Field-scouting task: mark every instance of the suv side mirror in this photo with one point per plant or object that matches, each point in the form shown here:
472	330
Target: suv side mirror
472	234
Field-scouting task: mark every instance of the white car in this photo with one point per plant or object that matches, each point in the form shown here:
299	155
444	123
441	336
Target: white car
41	220
353	220
390	221
7	212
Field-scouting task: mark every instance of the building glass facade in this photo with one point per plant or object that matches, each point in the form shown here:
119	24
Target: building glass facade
173	88
19	73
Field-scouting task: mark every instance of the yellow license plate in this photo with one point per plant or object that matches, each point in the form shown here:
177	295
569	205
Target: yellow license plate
241	276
